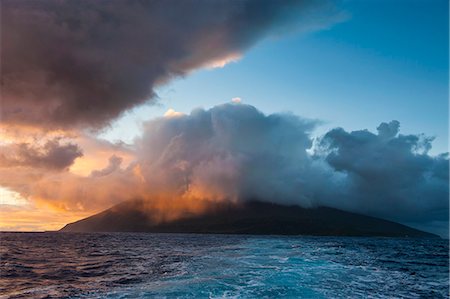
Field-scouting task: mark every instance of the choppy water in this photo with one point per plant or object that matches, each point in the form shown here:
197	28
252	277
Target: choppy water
139	265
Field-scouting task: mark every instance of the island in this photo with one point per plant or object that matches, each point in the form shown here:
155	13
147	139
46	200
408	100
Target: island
252	217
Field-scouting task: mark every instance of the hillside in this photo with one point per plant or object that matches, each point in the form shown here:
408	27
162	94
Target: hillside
250	218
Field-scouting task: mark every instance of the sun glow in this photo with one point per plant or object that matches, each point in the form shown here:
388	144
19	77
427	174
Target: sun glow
8	197
19	214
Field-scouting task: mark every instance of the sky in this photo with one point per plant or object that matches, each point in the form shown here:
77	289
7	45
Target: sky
317	103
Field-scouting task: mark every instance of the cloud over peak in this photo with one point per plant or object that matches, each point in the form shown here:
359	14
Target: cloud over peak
234	152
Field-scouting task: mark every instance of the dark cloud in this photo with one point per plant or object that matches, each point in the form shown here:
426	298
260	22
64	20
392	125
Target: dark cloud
388	130
53	155
390	175
84	62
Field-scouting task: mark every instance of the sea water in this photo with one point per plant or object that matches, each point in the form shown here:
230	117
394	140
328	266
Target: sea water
141	265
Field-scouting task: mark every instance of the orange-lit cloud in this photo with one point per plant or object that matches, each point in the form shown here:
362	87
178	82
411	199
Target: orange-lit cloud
233	152
173	113
221	62
48	174
96	154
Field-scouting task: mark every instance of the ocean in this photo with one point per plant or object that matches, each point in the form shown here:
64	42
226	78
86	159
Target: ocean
142	265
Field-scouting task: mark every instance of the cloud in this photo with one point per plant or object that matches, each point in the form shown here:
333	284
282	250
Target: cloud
172	113
233	152
114	164
70	193
389	175
83	63
74	65
53	155
230	152
44	173
183	163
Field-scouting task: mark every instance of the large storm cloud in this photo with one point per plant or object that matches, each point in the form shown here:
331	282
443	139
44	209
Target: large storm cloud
83	63
230	152
233	152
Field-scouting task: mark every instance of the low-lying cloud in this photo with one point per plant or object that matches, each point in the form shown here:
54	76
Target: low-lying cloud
233	152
